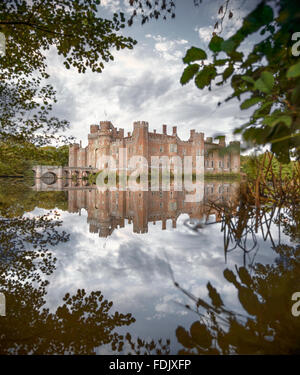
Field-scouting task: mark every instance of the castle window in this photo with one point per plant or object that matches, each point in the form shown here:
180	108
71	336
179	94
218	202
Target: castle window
212	163
172	206
183	151
173	147
161	149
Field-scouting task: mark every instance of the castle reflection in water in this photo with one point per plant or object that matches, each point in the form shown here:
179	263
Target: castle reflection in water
108	210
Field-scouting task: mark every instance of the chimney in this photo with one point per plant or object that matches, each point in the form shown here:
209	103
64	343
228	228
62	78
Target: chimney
129	134
192	133
154	131
174	130
80	144
164	129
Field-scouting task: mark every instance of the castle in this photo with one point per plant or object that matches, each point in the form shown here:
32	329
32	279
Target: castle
107	140
110	210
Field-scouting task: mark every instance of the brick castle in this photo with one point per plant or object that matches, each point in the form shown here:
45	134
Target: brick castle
107	140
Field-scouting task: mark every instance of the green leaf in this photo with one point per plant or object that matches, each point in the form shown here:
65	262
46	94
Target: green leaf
248	79
227	72
228	46
215	43
250	102
189	73
265	82
236	56
194	54
286	119
220	62
294	71
205	76
296	95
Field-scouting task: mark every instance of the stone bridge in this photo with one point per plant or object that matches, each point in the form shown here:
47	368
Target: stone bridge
54	175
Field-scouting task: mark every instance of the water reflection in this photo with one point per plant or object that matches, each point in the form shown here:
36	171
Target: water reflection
129	245
266	324
108	210
84	320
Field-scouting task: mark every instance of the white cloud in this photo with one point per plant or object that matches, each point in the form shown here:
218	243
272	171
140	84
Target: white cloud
139	84
111	5
205	33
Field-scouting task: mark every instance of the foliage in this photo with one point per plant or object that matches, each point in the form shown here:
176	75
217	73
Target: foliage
82	322
71	27
16	159
269	75
266	325
18	197
250	166
151	10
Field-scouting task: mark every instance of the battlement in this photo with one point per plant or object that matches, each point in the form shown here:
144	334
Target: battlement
74	146
221	143
94	129
106	139
140	124
196	135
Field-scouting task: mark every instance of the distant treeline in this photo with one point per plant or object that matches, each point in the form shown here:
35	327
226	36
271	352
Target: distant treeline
17	160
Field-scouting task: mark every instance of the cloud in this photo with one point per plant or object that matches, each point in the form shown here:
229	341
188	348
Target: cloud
111	5
205	33
141	84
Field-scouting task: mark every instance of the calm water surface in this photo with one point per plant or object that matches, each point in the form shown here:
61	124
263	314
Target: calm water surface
132	245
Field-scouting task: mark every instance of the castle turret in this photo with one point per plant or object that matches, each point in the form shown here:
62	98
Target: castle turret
222	142
73	154
235	156
104	141
140	134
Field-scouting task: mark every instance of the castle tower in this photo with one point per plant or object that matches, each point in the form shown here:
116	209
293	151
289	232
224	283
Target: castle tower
73	154
235	156
140	135
140	200
104	141
93	139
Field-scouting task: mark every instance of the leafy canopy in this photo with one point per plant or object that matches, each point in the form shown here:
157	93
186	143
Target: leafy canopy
76	31
269	76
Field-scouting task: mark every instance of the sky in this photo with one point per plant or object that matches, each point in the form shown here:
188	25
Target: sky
143	84
133	270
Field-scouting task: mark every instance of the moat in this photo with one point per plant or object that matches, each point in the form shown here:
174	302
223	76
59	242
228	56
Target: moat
131	246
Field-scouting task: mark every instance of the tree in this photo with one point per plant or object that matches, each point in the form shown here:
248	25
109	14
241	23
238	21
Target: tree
31	28
78	326
266	324
269	76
